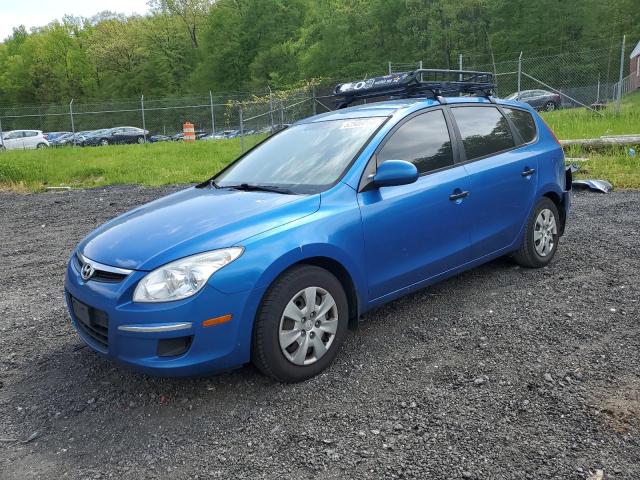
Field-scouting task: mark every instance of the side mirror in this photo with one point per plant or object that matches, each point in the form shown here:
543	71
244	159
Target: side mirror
395	172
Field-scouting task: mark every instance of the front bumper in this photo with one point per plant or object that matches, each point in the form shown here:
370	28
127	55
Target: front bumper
133	331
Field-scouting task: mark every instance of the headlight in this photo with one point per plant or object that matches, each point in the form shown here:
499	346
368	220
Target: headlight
184	277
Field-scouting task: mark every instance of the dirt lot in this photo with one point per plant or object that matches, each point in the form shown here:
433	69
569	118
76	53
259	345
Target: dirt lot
501	372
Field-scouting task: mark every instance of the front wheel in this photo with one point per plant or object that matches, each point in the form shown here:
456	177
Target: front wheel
104	142
300	325
550	106
541	236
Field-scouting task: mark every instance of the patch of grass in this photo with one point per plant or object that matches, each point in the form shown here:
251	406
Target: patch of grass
613	164
150	164
576	123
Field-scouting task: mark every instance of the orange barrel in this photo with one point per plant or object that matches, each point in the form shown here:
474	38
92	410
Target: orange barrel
189	132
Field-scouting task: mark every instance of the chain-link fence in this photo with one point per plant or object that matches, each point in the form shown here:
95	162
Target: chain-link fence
587	78
249	116
581	78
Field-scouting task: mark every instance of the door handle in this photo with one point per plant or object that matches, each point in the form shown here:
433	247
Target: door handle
528	171
458	196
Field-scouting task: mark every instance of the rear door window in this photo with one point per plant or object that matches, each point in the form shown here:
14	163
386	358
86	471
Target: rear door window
484	131
523	122
423	140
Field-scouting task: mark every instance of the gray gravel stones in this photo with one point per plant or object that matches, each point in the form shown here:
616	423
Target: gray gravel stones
482	376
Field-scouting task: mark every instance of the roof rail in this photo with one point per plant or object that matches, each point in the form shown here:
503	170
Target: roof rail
433	83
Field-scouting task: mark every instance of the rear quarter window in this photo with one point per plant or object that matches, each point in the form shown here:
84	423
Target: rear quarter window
523	122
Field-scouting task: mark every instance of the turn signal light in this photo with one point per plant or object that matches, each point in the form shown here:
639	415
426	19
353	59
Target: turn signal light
216	321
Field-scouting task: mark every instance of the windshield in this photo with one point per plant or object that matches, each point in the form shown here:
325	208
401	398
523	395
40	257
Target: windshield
304	158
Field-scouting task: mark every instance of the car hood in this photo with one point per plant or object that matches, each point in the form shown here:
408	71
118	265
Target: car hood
189	222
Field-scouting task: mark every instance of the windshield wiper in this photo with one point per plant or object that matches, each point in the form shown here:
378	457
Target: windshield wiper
250	187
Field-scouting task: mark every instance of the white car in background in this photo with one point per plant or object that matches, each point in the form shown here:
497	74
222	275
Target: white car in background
23	139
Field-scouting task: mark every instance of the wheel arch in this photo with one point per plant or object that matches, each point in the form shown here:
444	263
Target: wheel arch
333	266
558	202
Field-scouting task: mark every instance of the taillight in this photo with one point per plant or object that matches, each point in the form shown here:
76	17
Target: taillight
46	136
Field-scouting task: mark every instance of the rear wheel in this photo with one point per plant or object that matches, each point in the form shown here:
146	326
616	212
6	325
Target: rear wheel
300	325
541	236
104	142
550	106
140	139
41	145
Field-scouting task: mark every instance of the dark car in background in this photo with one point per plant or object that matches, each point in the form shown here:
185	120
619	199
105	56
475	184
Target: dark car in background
159	138
83	137
538	99
68	139
116	136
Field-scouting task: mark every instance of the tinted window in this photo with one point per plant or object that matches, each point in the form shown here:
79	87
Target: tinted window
524	123
424	141
30	134
484	131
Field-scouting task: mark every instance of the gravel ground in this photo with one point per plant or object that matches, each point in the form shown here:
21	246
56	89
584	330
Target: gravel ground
501	372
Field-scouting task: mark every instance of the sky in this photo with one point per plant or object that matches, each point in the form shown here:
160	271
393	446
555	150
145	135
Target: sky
36	13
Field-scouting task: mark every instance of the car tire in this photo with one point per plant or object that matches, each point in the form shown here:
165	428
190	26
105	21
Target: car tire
541	236
104	142
279	339
140	140
550	106
41	145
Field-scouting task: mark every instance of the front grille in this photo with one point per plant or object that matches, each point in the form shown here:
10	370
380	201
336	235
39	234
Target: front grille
101	275
92	322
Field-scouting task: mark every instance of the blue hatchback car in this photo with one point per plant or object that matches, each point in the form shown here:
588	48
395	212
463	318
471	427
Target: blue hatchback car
274	258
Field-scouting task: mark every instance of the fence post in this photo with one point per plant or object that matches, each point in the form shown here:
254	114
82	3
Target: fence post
389	68
271	106
73	128
213	118
519	75
624	37
1	139
144	125
313	94
241	131
281	113
420	64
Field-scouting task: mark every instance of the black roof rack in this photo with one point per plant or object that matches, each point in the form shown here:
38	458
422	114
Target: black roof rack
433	83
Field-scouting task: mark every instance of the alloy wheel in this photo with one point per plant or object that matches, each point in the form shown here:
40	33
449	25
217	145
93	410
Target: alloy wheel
544	232
308	326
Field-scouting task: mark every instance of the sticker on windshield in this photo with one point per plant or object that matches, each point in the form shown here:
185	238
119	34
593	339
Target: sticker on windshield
356	123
